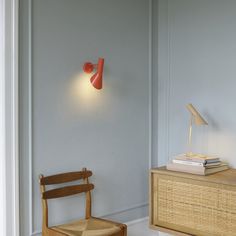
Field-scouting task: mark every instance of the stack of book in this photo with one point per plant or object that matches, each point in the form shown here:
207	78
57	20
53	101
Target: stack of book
197	164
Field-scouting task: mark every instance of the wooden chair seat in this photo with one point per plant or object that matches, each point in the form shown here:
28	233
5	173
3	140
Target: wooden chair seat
90	227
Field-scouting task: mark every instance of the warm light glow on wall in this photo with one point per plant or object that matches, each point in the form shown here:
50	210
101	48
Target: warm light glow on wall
82	93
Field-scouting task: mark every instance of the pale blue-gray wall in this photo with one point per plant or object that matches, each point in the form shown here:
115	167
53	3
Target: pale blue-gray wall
75	126
193	51
197	64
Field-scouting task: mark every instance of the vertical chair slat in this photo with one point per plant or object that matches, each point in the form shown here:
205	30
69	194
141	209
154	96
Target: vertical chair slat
88	210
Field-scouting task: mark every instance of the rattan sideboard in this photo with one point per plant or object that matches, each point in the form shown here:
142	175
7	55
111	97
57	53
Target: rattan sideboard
186	204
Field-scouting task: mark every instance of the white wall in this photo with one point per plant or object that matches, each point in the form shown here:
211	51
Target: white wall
9	117
196	63
66	124
2	122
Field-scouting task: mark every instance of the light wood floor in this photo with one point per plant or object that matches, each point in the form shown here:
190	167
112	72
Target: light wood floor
141	229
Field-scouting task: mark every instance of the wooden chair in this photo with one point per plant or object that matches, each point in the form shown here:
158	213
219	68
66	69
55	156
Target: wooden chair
90	226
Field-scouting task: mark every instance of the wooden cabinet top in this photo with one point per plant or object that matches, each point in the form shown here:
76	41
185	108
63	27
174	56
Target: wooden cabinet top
227	177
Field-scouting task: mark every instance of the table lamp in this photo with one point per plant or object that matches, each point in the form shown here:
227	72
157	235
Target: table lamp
196	119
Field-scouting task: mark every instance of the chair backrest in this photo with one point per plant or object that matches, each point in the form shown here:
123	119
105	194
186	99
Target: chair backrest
65	191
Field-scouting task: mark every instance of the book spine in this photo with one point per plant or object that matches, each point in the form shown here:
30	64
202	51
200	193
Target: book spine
190	163
213	163
181	168
190	159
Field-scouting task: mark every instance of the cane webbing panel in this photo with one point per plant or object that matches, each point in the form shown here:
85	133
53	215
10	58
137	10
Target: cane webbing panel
193	206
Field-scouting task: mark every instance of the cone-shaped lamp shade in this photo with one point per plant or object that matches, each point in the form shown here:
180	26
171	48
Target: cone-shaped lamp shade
198	119
96	79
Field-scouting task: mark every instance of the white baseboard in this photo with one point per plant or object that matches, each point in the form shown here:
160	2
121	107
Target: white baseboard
133	222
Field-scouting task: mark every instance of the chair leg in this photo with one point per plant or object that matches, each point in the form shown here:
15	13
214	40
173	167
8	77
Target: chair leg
125	230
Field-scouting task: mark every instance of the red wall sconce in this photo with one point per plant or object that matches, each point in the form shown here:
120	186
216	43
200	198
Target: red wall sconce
96	79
